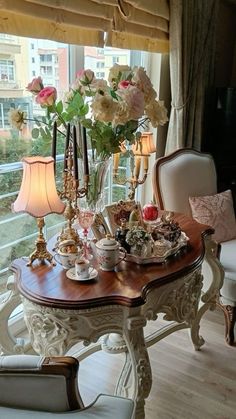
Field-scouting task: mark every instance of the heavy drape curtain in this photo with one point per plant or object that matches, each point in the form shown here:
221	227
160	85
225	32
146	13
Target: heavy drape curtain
192	31
133	24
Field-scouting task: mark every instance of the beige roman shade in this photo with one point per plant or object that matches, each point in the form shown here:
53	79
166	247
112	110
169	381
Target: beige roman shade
133	24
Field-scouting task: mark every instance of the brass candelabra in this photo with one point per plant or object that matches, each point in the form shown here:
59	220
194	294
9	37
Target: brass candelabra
141	153
71	192
134	181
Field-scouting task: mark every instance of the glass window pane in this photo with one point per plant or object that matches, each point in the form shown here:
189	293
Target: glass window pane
22	59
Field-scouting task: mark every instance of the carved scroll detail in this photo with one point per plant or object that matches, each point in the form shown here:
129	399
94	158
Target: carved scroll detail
178	300
54	331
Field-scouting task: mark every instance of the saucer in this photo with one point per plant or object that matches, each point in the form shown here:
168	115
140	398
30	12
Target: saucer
71	275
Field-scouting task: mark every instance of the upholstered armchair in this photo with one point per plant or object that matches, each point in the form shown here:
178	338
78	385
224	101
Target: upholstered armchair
46	388
186	181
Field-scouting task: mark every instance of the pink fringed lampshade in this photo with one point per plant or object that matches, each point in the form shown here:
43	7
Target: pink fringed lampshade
38	195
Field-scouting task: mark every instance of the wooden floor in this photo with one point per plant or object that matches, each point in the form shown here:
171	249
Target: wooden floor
187	384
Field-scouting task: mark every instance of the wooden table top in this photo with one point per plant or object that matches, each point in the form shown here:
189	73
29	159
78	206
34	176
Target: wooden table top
127	285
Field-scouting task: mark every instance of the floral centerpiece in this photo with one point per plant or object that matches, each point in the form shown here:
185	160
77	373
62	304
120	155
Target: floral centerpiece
139	240
112	111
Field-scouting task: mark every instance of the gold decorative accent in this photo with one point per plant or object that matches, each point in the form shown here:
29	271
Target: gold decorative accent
41	251
133	181
71	192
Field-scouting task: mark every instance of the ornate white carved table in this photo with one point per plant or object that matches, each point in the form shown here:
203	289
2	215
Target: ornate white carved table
59	312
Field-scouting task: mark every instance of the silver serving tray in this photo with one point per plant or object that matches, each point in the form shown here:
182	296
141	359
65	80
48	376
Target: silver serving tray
161	257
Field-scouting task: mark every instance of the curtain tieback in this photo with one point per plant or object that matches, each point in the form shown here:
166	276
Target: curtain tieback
178	107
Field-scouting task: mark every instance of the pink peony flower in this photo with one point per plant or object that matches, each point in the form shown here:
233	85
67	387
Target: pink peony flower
124	84
143	82
47	96
35	86
85	76
134	99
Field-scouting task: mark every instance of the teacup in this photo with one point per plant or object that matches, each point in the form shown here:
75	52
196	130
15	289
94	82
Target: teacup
67	253
82	268
67	260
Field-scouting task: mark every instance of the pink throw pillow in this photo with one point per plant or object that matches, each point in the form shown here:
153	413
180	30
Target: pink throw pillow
216	211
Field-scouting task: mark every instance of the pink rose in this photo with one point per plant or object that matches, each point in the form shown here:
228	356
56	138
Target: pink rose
35	86
47	96
85	76
124	84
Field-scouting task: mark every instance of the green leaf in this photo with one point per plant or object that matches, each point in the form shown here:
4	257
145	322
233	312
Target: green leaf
87	123
59	107
35	133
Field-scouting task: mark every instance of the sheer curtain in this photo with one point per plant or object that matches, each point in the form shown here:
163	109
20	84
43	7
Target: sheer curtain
192	33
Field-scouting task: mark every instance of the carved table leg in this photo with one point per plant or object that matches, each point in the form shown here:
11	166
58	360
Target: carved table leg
213	276
139	358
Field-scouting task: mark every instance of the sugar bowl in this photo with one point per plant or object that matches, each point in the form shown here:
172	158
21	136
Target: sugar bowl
109	253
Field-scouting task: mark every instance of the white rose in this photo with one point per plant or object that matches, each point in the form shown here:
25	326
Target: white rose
115	70
103	108
122	114
157	113
16	118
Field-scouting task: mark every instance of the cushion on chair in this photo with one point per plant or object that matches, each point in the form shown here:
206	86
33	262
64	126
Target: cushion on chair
104	407
228	260
216	211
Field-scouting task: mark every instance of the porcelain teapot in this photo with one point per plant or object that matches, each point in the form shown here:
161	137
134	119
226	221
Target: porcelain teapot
109	253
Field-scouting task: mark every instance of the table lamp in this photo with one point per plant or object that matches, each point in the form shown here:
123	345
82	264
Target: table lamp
38	197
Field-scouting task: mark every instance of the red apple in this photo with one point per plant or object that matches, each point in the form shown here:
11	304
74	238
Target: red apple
150	212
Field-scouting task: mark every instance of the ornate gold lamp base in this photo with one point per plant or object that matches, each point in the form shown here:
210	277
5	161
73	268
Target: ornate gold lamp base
69	233
41	253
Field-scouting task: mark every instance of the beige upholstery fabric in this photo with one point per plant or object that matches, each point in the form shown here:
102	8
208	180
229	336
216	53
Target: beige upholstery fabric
105	407
218	212
187	175
228	260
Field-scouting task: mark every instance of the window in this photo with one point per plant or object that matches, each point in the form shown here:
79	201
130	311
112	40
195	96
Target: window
115	59
7	70
18	231
45	57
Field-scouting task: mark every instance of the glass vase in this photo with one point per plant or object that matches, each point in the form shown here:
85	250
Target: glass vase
98	169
